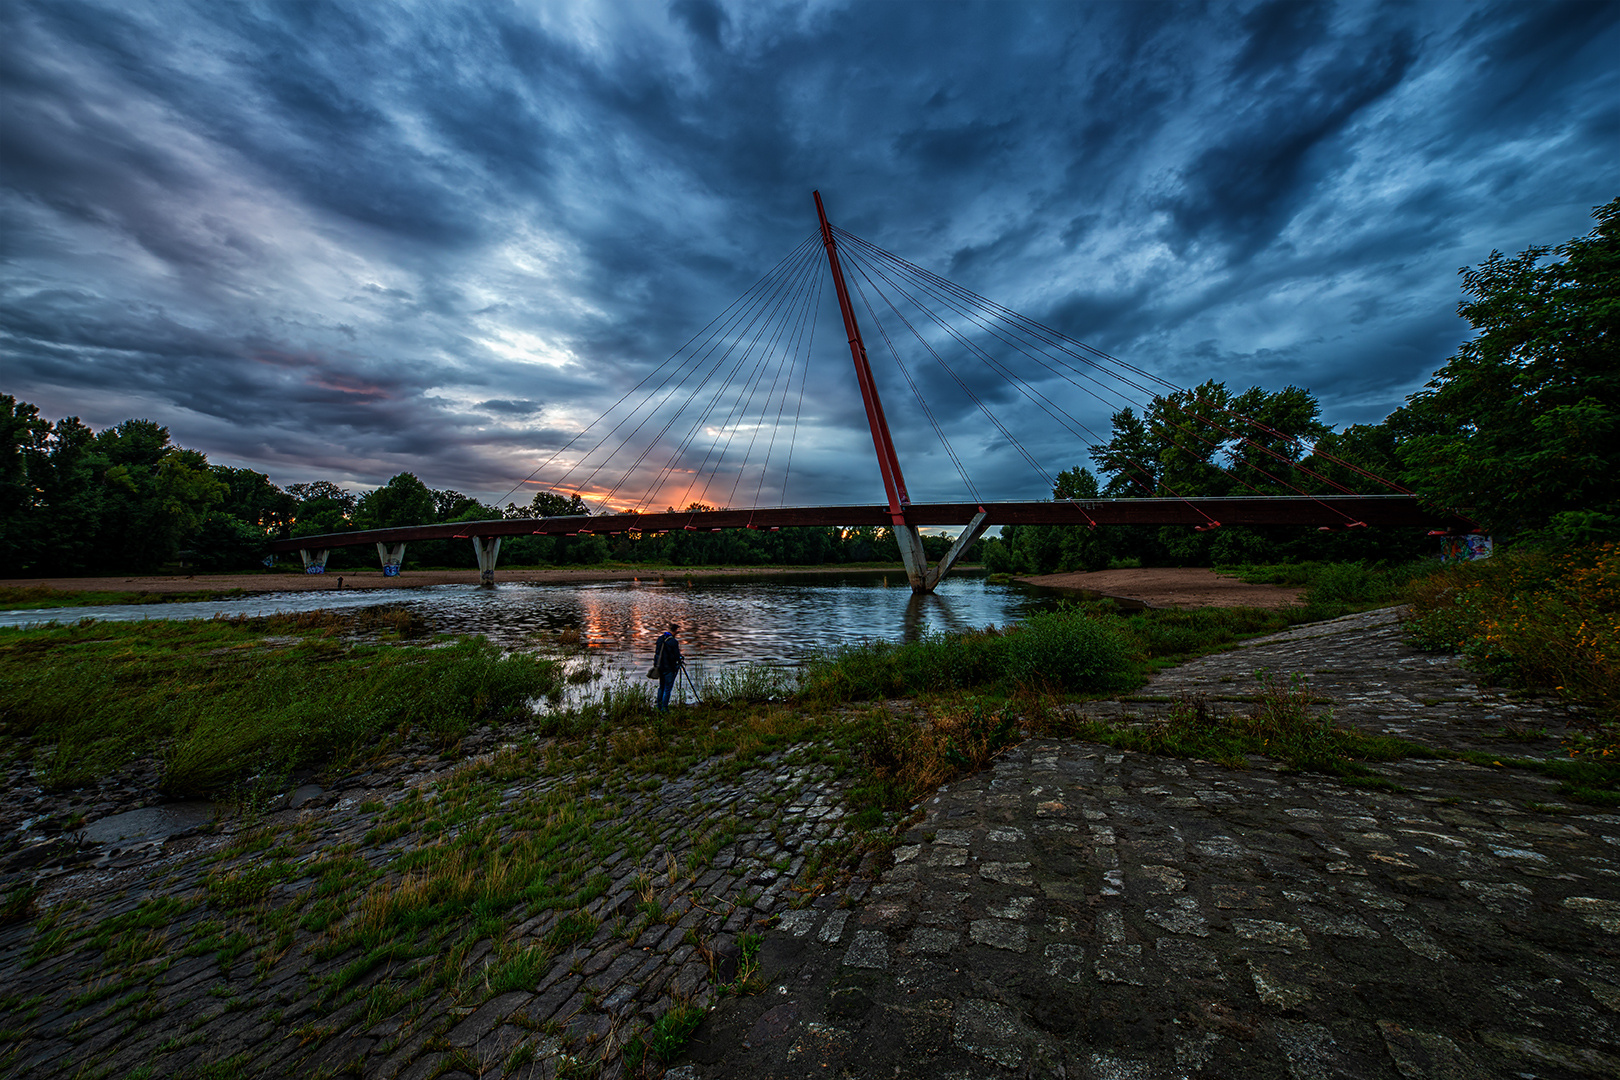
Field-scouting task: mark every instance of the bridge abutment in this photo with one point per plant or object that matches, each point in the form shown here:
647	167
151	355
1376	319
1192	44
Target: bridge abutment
314	559
392	557
488	549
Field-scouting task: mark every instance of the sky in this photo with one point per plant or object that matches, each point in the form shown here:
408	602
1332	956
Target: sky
343	241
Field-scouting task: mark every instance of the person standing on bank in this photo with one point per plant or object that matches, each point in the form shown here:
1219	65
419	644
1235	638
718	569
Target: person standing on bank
667	661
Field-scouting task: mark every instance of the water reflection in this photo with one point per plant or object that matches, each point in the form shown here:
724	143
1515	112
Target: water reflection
767	620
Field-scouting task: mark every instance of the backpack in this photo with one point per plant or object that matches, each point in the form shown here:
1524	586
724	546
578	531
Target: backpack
658	654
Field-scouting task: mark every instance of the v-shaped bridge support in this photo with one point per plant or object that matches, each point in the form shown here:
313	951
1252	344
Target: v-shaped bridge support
923	578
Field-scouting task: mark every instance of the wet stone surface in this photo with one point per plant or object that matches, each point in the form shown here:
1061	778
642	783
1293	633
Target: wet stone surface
662	925
1074	911
1071	911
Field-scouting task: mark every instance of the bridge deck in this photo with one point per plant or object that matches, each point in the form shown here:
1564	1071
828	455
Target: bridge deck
1334	511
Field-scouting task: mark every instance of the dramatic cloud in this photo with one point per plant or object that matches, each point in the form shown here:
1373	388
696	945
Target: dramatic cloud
346	240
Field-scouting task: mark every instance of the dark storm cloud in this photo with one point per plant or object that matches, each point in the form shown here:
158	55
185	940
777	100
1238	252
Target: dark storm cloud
1254	177
352	240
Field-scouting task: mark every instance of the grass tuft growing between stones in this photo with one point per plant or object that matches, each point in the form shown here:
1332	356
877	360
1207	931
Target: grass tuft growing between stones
665	1039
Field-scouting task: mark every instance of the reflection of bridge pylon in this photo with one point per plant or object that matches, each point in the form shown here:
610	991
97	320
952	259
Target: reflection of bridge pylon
923	577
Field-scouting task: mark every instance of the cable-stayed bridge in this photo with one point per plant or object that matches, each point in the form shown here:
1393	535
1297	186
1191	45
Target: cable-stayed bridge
646	447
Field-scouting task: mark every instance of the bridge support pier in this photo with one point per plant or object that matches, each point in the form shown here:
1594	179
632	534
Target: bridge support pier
488	549
314	561
392	556
925	579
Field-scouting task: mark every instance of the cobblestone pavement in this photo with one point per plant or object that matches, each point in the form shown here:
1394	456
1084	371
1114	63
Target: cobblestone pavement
149	971
1069	912
1074	911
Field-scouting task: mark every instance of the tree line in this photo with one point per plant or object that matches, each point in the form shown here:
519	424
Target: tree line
1518	430
125	499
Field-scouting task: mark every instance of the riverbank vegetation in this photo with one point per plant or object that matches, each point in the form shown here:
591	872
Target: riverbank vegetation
225	702
30	597
1091	647
1534	618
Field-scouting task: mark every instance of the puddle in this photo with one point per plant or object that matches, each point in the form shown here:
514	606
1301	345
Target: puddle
152	823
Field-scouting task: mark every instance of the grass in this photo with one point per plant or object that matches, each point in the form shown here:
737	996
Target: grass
1089	647
907	759
667	1036
518	836
1283	724
29	597
222	701
1335	588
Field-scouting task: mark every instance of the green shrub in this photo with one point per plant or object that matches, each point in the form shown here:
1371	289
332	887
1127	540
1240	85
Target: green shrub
1533	618
1068	650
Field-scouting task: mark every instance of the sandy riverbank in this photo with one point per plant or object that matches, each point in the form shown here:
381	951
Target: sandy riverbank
1172	586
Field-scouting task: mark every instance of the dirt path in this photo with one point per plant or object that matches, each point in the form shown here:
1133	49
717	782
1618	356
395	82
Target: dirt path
1172	586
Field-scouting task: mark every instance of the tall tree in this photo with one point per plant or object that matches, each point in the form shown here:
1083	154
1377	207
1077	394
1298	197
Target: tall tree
1207	442
551	504
1519	429
24	436
323	507
404	500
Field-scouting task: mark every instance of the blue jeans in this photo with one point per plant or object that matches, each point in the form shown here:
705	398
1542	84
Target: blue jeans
666	683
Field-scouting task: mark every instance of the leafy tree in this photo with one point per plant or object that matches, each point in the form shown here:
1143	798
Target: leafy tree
473	510
1519	429
449	505
1207	442
251	498
226	542
1049	549
551	504
323	507
24	436
186	488
404	500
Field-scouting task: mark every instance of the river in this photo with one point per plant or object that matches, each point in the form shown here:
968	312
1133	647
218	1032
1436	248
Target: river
772	620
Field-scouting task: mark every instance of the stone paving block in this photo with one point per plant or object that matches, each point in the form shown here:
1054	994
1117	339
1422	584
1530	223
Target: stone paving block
1430	1055
1006	873
1000	934
798	923
1311	1052
869	949
1121	963
991	1031
426	1067
833	928
1277	985
1270	932
489	1016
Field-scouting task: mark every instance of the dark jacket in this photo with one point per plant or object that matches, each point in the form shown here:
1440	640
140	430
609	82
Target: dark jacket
667	653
